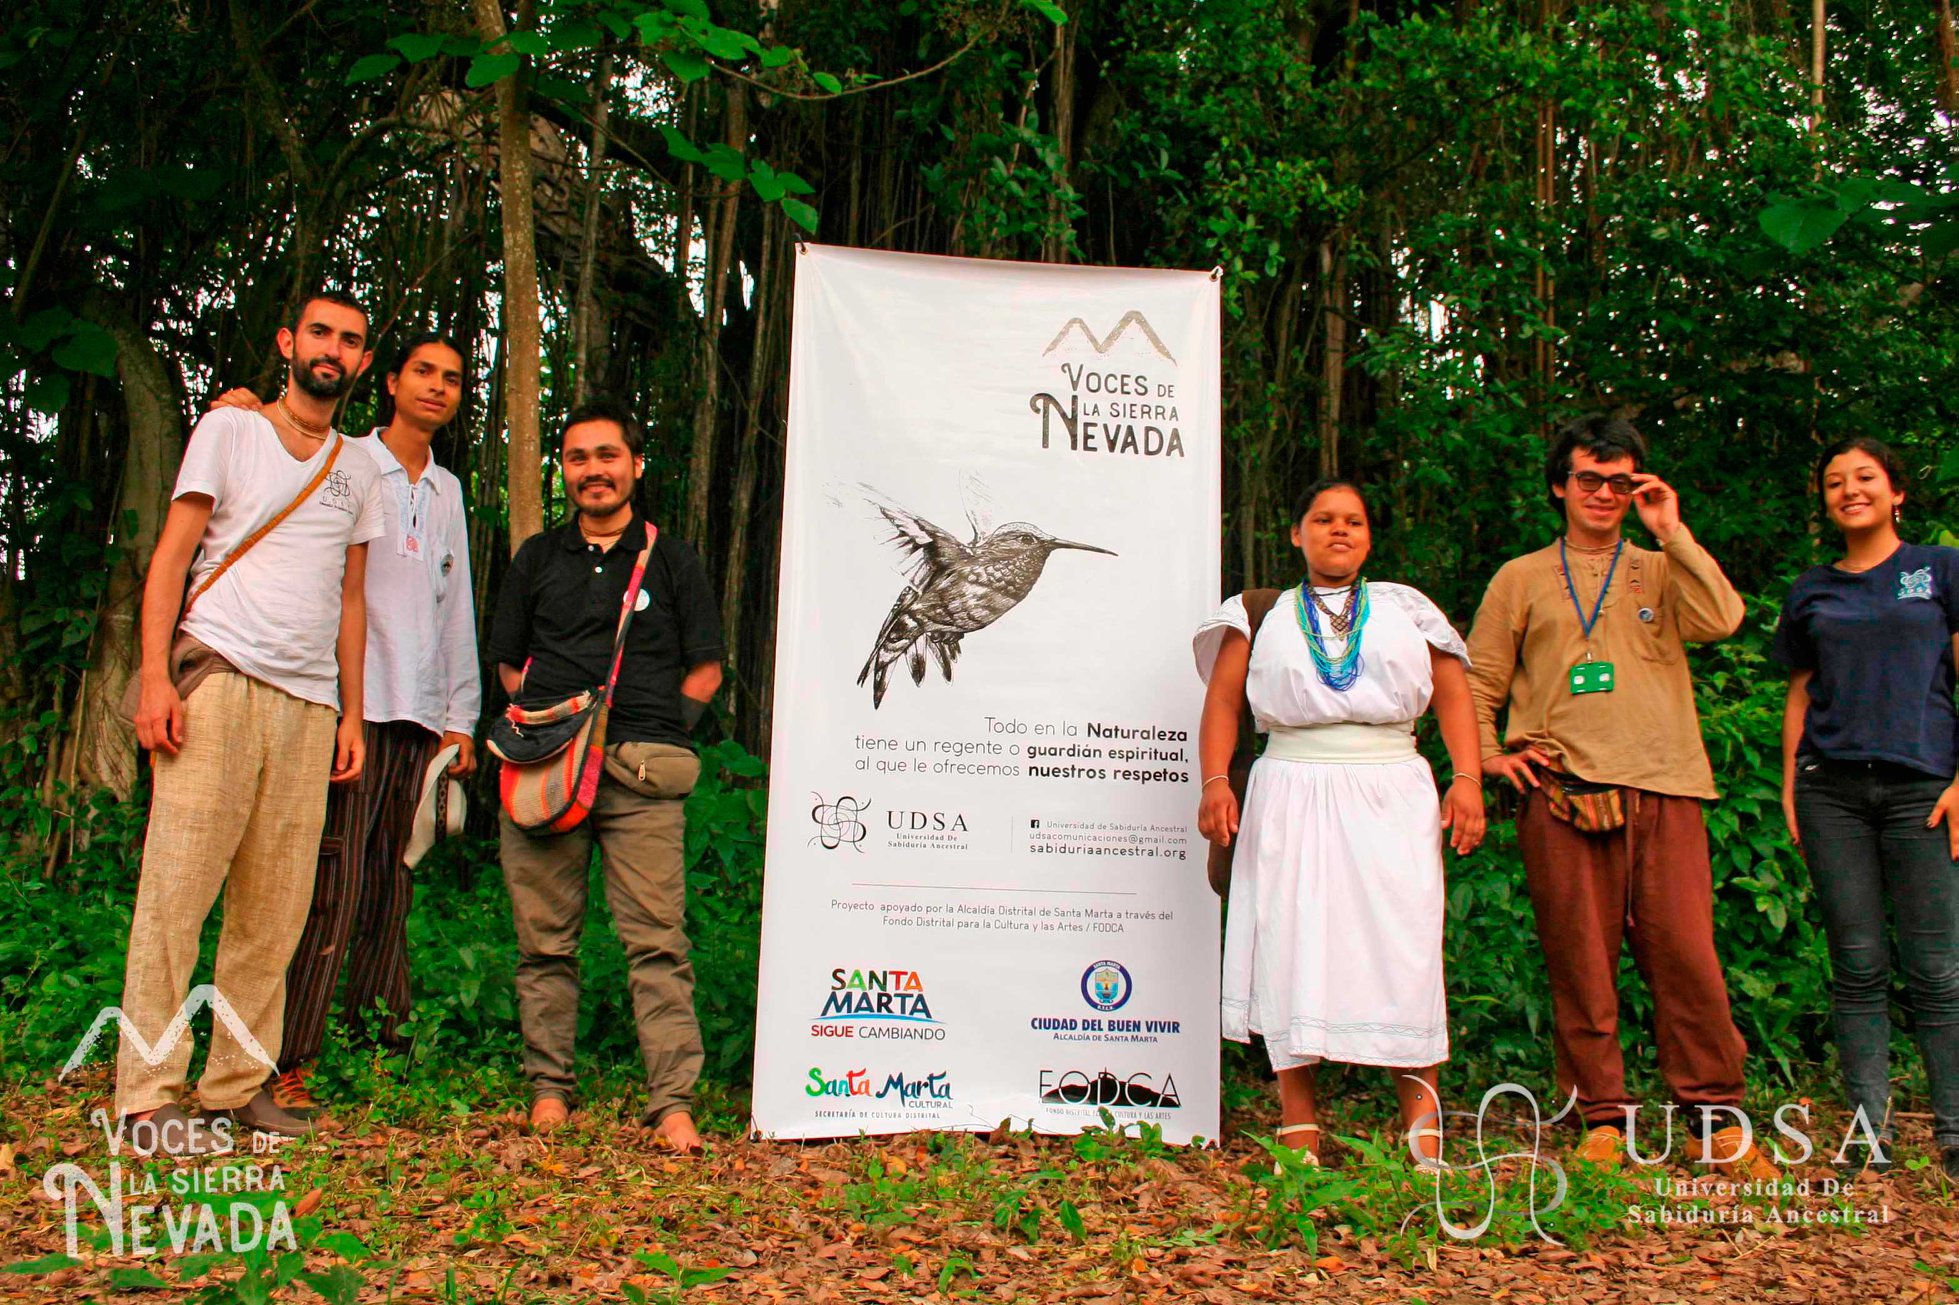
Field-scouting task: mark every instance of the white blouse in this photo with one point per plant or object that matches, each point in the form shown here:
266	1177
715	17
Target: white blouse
1396	679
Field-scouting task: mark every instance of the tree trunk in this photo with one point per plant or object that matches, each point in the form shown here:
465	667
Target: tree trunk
520	312
1333	277
587	328
105	744
760	363
700	468
1948	43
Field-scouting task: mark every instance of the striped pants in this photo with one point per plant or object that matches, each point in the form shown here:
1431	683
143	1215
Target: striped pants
361	895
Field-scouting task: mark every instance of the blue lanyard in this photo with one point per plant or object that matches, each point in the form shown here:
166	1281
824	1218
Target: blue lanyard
1585	626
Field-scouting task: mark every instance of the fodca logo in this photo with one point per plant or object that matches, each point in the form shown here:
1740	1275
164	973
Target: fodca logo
1075	1087
839	823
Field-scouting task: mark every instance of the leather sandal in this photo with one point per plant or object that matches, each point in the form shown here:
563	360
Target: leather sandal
1309	1154
1424	1164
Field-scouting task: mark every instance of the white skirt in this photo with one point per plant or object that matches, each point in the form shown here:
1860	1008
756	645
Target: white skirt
1333	942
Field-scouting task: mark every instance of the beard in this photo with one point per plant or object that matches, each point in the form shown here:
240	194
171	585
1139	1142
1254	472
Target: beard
614	495
318	386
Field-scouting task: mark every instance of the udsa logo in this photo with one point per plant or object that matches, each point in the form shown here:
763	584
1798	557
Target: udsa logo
1106	985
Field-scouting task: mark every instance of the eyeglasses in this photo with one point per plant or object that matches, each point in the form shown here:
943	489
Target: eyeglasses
1591	482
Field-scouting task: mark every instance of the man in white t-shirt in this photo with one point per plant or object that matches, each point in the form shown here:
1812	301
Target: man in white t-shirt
423	693
278	511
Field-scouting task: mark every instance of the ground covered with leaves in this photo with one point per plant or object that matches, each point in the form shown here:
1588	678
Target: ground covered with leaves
465	1205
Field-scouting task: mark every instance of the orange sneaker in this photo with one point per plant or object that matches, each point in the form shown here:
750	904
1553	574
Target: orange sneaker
1604	1146
291	1093
1726	1153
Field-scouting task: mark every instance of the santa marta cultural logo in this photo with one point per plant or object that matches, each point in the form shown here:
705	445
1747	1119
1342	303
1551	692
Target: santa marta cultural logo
839	823
230	1208
1106	985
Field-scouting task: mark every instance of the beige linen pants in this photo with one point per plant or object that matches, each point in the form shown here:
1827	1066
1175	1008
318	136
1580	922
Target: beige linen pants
238	809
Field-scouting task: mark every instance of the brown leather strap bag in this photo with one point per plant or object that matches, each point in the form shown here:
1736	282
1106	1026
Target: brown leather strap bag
191	661
1258	605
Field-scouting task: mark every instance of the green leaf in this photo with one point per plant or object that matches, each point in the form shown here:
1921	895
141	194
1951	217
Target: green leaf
46	1264
803	216
535	44
829	82
40	330
1801	226
339	1285
1071	1219
486	69
1941	240
690	8
366	69
684	64
766	183
48	394
88	348
679	146
780	56
347	1246
562	89
417	47
726	162
135	1280
1047	9
794	184
575	34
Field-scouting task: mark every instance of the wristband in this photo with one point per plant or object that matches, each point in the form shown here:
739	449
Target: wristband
1477	780
1214	779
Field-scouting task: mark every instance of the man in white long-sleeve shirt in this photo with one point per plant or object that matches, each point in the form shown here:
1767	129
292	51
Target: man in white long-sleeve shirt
423	693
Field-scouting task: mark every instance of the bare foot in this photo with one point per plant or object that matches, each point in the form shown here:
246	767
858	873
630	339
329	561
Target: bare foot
548	1113
677	1132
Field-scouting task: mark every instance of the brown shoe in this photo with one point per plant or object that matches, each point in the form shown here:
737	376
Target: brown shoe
1604	1146
291	1093
1726	1153
548	1113
169	1130
261	1115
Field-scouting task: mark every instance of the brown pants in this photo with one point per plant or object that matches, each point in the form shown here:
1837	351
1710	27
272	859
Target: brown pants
238	809
639	819
361	895
1650	884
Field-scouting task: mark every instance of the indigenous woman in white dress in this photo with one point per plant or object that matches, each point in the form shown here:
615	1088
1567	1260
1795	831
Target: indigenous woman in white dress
1333	939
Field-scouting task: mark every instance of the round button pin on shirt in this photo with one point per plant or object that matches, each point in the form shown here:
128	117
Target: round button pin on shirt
1646	614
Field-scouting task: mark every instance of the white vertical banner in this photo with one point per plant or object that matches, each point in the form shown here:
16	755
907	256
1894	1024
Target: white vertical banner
985	897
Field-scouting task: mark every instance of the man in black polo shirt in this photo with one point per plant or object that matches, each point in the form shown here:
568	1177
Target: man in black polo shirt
555	624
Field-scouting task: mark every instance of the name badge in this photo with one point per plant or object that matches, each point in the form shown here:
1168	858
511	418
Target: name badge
1591	677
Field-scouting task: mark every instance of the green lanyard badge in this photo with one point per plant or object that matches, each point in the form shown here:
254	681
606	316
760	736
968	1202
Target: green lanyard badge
1589	676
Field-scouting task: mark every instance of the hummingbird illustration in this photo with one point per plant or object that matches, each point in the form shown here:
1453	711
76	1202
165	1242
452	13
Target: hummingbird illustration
955	589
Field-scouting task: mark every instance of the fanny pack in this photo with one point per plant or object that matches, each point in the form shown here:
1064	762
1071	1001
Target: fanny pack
554	755
1587	807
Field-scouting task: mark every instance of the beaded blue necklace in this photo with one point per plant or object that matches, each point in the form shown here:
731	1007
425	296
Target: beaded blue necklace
1337	673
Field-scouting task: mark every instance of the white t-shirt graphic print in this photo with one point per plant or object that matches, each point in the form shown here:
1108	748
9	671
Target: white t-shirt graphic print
276	614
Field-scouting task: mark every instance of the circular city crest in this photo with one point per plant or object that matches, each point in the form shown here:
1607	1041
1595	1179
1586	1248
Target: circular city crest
1106	985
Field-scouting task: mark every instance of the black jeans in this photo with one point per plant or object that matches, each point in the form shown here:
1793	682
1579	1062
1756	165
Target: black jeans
1864	836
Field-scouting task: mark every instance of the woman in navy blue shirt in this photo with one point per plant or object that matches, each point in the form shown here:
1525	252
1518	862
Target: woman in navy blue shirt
1870	743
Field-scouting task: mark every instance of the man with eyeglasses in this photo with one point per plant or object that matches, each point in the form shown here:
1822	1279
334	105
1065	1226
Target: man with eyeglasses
1583	640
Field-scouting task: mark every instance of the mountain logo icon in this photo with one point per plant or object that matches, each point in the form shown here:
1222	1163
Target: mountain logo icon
1076	326
204	994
